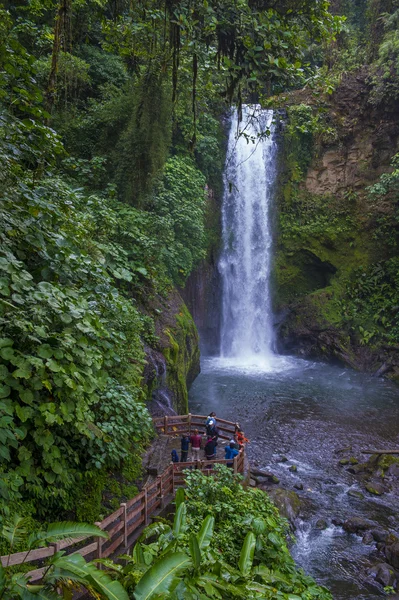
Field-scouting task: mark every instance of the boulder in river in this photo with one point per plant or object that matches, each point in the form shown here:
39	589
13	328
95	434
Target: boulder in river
392	553
298	486
356	494
288	503
376	488
358	524
321	524
384	574
293	468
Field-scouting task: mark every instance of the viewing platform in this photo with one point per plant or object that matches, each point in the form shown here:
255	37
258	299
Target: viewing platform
126	524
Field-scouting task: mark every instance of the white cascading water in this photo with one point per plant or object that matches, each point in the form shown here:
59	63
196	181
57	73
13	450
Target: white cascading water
247	324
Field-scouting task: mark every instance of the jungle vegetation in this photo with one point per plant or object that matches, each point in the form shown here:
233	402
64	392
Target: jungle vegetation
111	133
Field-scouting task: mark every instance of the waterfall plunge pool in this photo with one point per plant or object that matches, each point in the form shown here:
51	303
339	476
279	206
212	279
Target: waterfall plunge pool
306	411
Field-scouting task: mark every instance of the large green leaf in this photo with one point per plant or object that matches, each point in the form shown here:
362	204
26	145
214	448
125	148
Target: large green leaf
179	497
19	588
155	529
204	535
247	554
162	577
75	567
15	532
180	524
64	530
195	551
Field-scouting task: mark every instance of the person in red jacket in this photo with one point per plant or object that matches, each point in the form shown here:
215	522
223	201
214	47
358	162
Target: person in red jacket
196	443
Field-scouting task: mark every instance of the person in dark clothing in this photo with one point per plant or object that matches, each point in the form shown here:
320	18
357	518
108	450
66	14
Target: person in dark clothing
210	424
210	448
175	456
185	442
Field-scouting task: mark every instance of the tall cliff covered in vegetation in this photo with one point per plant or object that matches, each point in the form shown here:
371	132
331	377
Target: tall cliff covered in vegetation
336	270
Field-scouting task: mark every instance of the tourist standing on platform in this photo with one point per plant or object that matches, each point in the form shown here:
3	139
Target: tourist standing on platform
196	443
210	448
185	442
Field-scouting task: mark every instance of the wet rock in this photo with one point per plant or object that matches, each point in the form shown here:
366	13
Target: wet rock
293	468
355	494
383	574
357	469
379	535
392	553
252	482
330	482
288	503
321	524
282	459
344	461
373	487
393	471
337	522
368	538
353	460
262	477
298	486
357	524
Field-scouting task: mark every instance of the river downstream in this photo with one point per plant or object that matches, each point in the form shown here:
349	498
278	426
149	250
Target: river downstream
307	411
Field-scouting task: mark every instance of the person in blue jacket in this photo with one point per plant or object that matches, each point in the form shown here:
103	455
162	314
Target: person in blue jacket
230	452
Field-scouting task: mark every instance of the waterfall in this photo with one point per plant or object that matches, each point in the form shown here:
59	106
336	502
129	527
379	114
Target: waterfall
247	325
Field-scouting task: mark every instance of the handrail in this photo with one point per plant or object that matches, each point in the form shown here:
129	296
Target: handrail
125	523
179	424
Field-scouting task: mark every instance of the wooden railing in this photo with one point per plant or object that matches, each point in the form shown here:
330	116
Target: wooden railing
125	524
179	424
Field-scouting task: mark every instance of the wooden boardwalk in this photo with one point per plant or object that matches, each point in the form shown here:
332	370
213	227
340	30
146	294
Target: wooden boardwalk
125	525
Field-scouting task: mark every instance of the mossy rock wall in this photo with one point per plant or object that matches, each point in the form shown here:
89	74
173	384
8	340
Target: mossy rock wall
179	344
326	225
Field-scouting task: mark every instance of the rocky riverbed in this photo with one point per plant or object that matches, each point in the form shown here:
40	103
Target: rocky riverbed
308	424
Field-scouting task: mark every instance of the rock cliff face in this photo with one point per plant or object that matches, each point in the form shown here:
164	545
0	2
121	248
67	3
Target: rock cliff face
327	227
174	364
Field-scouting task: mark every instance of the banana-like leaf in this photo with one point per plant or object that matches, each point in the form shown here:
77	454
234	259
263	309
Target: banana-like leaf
15	532
195	551
65	530
220	584
162	577
155	529
19	588
179	524
205	534
75	567
138	555
247	554
179	497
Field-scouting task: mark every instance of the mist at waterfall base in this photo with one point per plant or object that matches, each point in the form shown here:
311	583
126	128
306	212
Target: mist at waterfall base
289	406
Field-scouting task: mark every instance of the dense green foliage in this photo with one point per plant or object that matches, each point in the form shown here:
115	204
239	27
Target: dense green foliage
110	133
63	574
226	542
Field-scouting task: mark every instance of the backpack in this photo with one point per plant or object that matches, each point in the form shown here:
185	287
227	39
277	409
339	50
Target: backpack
175	456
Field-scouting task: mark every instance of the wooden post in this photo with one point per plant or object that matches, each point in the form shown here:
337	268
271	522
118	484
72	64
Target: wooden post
166	424
160	481
235	464
173	478
189	423
124	518
145	507
99	545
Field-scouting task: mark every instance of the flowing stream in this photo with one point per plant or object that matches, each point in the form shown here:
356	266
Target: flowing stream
304	410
